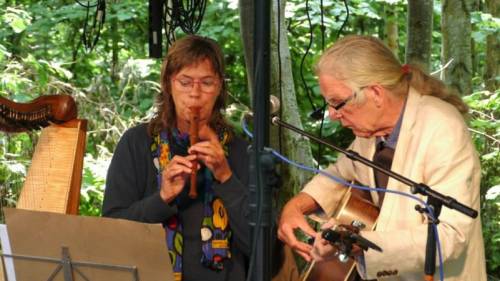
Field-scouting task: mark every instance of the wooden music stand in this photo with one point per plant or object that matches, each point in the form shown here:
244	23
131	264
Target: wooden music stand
92	248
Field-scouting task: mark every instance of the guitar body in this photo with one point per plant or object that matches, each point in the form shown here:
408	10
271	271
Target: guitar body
355	205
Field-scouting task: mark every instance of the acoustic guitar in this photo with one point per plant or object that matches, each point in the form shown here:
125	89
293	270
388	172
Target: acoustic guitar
354	206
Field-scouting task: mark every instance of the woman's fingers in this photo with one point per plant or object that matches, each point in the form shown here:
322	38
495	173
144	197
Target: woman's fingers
177	171
207	150
182	160
212	155
179	166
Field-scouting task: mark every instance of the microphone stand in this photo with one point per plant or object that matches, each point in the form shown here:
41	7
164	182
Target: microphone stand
434	199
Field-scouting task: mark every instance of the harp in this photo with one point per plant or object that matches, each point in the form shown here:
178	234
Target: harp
54	178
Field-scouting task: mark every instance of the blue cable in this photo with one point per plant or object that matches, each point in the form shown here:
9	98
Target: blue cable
342	181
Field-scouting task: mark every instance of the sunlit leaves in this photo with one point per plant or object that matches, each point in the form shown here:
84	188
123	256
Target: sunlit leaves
4	54
17	19
484	25
485	100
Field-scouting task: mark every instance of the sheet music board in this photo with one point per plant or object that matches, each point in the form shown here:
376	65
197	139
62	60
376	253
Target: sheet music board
89	239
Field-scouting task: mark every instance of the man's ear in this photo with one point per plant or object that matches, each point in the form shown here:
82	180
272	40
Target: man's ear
379	94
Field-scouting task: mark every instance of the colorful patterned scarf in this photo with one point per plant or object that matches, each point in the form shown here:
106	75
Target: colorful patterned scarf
215	231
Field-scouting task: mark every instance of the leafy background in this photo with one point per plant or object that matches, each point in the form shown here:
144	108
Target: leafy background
115	84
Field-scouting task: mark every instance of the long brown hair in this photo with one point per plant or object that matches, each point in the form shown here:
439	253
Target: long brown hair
363	60
187	51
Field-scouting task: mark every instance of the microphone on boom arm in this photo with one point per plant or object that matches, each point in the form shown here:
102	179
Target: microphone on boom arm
344	237
274	106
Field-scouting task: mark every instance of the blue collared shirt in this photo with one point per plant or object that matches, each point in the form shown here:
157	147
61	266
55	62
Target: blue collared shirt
392	139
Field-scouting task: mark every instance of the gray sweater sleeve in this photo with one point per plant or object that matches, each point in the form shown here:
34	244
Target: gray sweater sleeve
234	194
131	188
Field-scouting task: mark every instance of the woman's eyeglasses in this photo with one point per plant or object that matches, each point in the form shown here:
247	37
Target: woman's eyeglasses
186	84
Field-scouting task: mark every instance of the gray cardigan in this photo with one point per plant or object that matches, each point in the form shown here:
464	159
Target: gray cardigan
132	193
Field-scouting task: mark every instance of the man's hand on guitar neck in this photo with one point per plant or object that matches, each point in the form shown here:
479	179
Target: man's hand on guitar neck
292	218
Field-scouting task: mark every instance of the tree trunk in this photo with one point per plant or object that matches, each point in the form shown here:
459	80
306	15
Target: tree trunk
492	71
391	28
418	46
456	30
292	145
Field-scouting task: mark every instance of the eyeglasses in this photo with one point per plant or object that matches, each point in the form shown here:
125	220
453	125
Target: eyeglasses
186	84
339	105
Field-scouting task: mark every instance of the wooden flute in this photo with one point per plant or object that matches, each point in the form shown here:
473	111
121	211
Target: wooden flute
193	138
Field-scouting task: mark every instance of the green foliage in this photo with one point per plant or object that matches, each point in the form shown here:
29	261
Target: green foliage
221	22
485	128
491	230
17	19
115	85
485	24
93	182
15	156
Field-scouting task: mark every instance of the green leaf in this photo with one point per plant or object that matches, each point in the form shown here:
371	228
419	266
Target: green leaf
17	19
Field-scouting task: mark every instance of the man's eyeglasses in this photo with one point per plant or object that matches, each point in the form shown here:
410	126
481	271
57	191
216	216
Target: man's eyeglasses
339	105
186	84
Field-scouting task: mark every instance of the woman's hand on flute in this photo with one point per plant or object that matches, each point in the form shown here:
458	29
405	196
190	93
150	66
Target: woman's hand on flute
175	175
209	150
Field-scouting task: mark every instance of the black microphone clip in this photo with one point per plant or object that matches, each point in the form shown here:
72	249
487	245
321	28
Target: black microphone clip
318	113
343	237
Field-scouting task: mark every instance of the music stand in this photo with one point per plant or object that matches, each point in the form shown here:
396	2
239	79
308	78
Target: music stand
50	246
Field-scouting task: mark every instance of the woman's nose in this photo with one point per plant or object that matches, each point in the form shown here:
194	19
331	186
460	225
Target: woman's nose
196	90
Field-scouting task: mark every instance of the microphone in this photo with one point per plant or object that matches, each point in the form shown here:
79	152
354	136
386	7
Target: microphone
344	239
274	106
318	113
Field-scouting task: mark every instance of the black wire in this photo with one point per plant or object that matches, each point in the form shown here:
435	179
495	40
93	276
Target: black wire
169	23
345	20
320	147
306	87
184	14
191	15
88	4
322	26
279	74
98	23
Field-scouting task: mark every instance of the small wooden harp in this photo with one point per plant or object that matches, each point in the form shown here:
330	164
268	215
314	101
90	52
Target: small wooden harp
39	113
193	138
